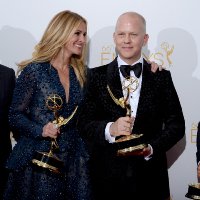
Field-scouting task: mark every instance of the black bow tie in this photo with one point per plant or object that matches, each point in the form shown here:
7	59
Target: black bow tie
125	70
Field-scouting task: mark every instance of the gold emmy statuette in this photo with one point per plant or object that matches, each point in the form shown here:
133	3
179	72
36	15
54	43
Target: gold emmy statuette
49	160
193	191
133	142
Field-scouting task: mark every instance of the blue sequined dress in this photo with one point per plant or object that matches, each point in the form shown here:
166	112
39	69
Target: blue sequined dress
28	114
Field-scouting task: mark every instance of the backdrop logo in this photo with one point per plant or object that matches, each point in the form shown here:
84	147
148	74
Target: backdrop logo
107	54
193	133
163	55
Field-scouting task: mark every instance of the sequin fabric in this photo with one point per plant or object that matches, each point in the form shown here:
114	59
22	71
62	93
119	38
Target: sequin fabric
28	114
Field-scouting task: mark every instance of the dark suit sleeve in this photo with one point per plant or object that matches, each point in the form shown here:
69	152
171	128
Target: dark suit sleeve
172	119
198	143
11	84
19	112
7	83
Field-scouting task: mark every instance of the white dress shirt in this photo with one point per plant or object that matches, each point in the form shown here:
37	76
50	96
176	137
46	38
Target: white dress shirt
133	97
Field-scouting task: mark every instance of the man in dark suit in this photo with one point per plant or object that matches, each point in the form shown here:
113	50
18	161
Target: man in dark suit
153	109
7	83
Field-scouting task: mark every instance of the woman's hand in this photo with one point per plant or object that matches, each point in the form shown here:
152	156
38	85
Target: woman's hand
155	66
50	130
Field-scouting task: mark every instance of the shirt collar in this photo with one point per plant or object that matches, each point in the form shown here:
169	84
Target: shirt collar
121	62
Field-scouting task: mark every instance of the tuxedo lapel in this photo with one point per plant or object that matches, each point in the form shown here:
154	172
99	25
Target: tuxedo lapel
147	89
114	83
113	79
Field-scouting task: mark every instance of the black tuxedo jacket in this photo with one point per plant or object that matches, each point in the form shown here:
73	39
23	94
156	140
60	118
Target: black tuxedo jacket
7	83
159	118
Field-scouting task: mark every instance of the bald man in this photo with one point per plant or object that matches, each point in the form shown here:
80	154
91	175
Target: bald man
154	111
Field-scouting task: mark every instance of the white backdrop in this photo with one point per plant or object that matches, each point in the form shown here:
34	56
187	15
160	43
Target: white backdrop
173	27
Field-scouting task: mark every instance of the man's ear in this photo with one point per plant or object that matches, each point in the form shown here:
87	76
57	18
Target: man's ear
146	38
114	37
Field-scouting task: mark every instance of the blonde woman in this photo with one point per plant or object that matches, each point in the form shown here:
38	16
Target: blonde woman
56	69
